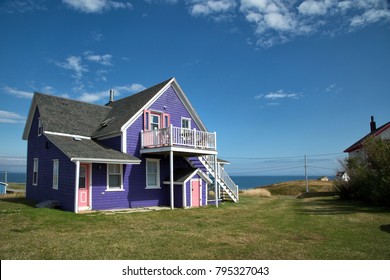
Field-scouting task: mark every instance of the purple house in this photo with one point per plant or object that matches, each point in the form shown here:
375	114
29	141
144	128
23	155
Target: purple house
148	149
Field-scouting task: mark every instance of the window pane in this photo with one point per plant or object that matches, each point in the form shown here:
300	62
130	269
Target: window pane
155	122
114	181
114	168
35	172
82	177
152	167
152	181
185	123
55	173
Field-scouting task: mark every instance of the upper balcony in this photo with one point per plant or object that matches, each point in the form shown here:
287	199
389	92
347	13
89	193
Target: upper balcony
178	139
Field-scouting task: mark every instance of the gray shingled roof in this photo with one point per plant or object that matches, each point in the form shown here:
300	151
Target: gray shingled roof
89	150
69	116
124	109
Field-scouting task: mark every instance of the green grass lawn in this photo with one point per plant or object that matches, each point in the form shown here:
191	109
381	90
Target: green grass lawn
281	227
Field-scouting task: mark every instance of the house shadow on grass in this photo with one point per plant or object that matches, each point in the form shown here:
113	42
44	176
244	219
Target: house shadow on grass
385	228
333	205
17	199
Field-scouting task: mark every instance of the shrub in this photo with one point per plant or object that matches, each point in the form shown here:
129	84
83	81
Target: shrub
257	192
369	174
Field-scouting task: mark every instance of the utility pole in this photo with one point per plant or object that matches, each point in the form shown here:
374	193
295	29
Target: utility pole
307	183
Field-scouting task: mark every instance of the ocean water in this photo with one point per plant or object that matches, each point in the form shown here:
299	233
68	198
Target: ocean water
249	182
13	177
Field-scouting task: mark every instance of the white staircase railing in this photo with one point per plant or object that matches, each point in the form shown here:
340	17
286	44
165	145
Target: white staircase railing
223	179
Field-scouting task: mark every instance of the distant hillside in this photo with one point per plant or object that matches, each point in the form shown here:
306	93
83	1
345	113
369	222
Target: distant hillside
298	187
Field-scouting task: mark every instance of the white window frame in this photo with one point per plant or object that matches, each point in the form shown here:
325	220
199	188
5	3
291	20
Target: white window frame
40	127
185	119
112	189
56	171
152	123
35	170
157	161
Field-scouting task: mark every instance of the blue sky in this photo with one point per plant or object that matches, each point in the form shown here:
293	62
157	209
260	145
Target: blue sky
276	79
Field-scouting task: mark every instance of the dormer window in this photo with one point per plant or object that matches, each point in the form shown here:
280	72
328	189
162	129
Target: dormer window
40	127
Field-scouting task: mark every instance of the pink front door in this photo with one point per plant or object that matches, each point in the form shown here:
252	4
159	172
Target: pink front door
195	188
84	186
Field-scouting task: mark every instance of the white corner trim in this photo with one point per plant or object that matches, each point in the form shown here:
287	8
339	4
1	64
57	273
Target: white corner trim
124	141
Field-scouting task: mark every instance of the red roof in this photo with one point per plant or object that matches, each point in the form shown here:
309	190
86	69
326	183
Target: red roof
358	144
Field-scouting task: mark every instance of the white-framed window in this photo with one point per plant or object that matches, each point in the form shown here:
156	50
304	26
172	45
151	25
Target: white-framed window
56	165
114	177
35	172
152	173
154	121
40	127
186	123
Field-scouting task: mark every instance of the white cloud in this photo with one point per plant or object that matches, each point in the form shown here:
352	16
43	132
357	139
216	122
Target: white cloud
10	117
74	64
214	8
104	95
96	6
277	21
22	6
275	98
369	17
132	88
280	94
18	93
311	7
101	59
97	35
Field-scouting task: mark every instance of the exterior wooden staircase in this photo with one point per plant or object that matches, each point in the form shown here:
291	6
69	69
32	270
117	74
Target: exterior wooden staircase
228	189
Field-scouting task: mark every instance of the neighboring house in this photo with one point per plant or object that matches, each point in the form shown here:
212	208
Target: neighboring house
148	149
383	132
343	176
324	179
3	188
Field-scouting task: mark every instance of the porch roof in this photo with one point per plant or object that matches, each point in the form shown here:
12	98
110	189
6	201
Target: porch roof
88	150
181	175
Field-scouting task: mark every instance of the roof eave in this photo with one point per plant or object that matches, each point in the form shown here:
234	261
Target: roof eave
30	117
102	160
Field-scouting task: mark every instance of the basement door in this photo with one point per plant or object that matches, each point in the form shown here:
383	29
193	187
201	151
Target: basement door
84	186
195	192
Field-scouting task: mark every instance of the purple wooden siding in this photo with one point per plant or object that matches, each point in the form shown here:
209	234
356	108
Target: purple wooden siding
41	148
188	193
135	175
114	143
170	103
178	196
135	193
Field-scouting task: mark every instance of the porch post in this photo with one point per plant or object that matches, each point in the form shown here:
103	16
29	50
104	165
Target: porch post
76	195
171	178
216	180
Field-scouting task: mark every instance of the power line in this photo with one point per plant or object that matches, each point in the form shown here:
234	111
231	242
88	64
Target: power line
281	157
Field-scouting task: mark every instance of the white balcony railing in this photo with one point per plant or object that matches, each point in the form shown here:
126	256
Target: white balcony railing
176	136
